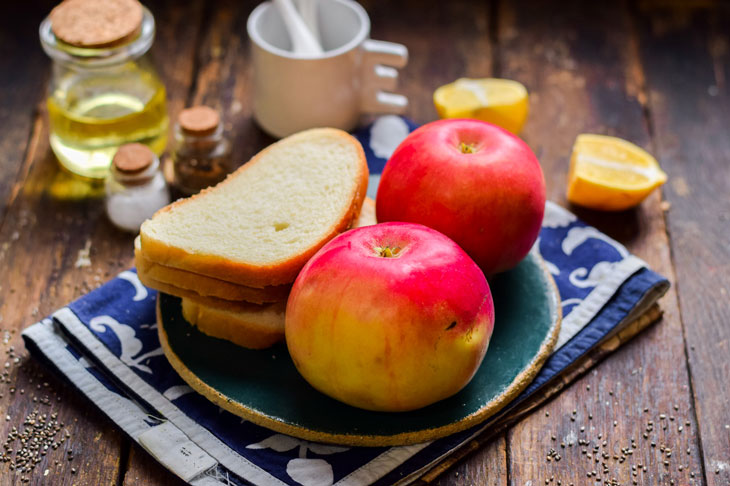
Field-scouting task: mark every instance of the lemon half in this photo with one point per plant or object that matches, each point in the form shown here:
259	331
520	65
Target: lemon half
500	101
611	174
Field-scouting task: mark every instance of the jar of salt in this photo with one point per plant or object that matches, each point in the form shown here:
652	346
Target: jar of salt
135	187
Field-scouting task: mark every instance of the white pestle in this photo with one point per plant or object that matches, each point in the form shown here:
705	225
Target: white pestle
308	11
303	42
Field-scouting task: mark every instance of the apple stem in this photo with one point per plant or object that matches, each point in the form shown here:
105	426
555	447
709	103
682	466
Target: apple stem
467	148
387	251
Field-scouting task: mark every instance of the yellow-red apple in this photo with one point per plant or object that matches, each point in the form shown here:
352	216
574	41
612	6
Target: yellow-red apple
390	317
473	181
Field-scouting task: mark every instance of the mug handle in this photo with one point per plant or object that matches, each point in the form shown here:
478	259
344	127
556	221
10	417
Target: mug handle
380	61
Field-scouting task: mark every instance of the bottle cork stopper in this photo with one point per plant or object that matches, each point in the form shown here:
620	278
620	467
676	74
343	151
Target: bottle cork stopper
133	157
96	23
199	120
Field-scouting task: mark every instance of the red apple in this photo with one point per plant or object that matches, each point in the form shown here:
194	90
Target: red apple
473	181
390	317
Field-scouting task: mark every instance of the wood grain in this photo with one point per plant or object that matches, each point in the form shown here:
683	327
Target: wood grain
485	466
582	70
224	76
19	61
52	220
445	42
687	61
144	469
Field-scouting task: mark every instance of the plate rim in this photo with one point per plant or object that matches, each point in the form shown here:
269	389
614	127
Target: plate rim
520	382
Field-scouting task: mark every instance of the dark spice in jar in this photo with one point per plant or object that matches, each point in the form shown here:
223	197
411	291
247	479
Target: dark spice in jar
202	155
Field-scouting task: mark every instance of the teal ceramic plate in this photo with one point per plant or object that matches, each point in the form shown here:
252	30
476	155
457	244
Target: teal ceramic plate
265	387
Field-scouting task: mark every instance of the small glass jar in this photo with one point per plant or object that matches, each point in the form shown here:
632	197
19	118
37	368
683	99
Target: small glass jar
135	187
201	156
102	97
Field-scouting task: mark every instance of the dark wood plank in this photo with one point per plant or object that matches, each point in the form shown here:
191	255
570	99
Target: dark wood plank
22	86
687	60
41	238
446	41
54	219
579	61
144	469
224	76
484	467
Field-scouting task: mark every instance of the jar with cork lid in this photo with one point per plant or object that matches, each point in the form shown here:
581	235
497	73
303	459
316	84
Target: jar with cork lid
104	91
135	187
201	156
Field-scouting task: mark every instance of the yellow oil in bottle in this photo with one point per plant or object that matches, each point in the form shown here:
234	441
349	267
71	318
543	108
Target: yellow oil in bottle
91	116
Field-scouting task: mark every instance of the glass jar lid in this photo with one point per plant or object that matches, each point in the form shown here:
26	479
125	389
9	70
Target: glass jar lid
133	42
134	164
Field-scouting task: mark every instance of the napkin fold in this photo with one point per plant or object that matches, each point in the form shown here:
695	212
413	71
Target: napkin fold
106	345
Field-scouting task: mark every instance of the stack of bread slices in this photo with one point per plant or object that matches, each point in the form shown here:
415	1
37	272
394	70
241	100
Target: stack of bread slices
233	251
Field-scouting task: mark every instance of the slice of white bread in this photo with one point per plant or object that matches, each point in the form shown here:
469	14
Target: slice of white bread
206	286
212	287
367	214
256	328
261	225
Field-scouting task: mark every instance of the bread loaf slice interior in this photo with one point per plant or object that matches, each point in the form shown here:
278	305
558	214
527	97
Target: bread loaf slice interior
262	224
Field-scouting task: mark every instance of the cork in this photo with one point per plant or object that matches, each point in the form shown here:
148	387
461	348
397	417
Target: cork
96	23
133	157
199	120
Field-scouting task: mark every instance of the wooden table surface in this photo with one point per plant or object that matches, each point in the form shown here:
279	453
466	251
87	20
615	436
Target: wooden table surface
655	72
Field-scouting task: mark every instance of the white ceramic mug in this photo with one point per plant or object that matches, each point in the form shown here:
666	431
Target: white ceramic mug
355	75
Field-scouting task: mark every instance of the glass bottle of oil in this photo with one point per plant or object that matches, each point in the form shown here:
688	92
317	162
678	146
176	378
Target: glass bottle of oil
103	97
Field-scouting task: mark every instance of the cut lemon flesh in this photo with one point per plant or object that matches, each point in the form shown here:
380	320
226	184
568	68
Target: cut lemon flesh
502	102
611	174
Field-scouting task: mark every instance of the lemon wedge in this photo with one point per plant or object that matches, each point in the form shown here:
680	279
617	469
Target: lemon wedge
502	102
611	174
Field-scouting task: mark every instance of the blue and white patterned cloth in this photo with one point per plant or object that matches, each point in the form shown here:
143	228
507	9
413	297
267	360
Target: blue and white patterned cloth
106	345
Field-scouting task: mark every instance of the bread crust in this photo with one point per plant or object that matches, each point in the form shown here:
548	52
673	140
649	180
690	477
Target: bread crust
208	286
223	304
244	329
242	273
